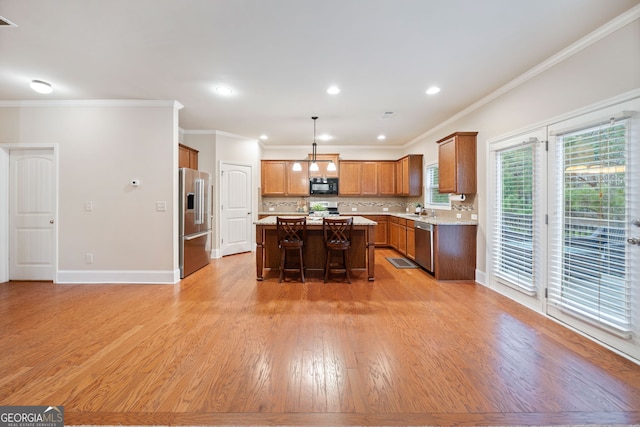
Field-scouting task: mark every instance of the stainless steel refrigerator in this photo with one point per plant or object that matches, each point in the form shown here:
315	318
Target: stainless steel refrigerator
195	220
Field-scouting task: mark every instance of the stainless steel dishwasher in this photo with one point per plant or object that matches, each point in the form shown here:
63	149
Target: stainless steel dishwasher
424	245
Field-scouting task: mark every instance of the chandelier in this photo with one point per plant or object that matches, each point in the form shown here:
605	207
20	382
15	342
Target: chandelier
313	167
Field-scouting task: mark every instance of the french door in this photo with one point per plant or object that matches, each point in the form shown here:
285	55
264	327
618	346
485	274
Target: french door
594	204
565	224
517	218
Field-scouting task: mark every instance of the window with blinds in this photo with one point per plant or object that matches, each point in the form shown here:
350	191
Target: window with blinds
433	197
514	213
589	255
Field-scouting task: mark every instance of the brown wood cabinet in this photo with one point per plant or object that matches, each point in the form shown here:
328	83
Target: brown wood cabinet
398	234
297	181
394	232
279	179
409	175
369	179
381	230
322	166
411	240
350	178
387	178
187	157
454	248
457	163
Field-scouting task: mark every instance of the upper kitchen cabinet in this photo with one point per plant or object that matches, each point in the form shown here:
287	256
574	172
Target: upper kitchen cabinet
370	183
363	178
457	163
350	178
409	175
323	172
187	157
279	179
387	178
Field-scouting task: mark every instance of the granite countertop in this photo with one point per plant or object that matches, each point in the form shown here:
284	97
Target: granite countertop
422	218
313	220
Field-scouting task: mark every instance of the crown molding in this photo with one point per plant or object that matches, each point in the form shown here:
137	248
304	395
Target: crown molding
593	37
93	103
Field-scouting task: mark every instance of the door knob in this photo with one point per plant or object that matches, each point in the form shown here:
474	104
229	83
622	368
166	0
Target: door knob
633	241
50	221
636	222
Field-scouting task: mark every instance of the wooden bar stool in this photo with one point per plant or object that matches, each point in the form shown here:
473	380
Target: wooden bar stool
337	237
291	235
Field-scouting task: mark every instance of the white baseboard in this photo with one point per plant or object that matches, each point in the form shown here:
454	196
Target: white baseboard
481	277
159	277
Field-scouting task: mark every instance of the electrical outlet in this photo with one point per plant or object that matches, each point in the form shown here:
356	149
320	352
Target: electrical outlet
88	258
88	206
458	216
385	209
354	209
161	206
272	209
474	217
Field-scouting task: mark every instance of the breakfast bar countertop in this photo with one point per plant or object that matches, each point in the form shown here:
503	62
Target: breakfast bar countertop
314	220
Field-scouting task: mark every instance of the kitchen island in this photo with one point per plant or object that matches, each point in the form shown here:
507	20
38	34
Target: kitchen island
362	252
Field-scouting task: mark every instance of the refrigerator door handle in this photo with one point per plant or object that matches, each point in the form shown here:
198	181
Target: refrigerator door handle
196	236
199	205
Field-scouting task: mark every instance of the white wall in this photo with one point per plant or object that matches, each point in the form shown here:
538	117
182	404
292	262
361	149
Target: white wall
608	67
215	147
102	146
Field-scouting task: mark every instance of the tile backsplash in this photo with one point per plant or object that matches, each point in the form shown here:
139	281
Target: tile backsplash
364	205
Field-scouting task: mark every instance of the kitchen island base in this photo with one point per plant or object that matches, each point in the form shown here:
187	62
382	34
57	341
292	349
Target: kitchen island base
361	256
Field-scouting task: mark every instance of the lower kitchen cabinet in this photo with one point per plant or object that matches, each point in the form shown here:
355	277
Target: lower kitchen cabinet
411	240
454	248
381	230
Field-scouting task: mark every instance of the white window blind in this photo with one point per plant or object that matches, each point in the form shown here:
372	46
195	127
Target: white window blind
513	244
433	196
589	259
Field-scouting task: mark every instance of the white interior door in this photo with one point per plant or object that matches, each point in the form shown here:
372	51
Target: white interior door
31	214
235	207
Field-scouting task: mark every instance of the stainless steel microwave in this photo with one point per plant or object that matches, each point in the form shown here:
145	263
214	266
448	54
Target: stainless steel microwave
323	186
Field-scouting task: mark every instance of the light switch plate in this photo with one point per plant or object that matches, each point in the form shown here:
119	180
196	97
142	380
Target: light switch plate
474	216
161	206
458	216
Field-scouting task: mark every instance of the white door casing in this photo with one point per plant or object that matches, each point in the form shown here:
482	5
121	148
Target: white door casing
32	209
236	221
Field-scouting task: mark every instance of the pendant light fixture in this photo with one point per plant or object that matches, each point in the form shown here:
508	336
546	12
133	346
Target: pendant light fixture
313	167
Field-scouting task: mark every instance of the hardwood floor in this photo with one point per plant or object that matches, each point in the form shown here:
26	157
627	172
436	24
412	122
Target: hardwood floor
221	348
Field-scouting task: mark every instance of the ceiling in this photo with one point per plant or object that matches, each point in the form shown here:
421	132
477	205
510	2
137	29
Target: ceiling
280	56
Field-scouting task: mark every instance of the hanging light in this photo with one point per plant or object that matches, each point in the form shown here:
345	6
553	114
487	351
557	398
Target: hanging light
313	167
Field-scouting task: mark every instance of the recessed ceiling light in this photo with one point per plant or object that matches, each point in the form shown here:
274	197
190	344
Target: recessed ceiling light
41	86
433	90
224	90
264	137
333	90
325	137
381	137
